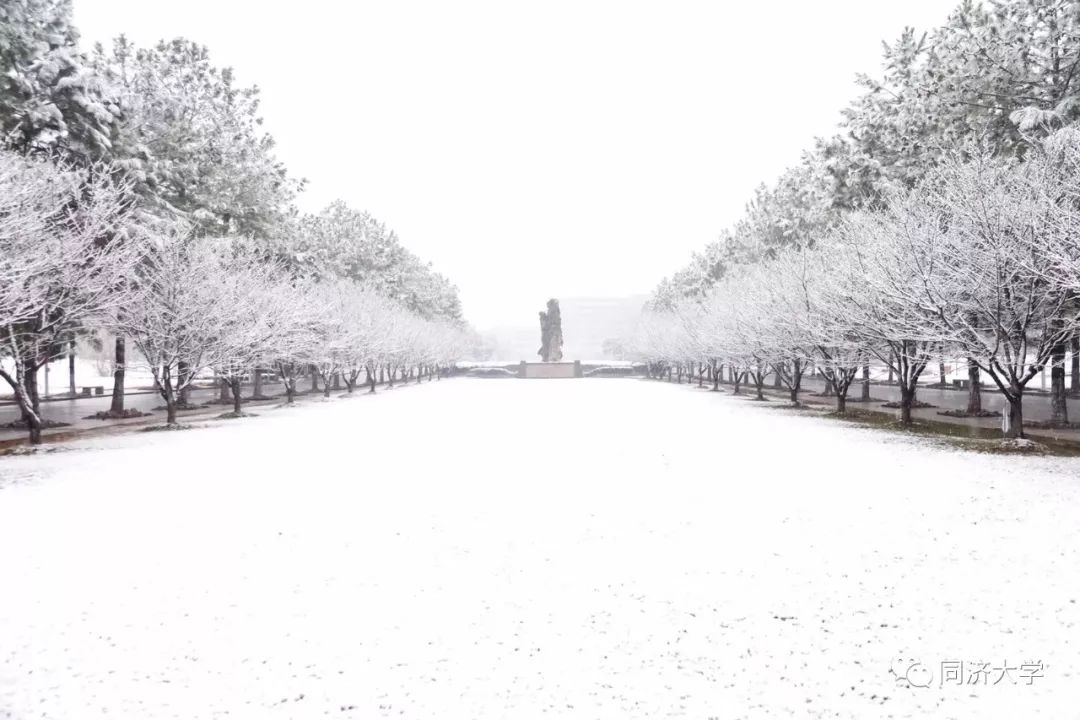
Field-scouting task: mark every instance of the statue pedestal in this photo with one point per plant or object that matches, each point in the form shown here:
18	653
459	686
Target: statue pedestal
550	370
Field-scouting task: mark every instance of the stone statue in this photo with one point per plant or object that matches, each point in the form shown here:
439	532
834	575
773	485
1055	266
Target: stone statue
551	333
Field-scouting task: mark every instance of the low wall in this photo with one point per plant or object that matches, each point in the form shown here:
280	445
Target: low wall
549	370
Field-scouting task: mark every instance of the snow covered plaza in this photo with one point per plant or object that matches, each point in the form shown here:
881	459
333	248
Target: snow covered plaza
583	359
407	555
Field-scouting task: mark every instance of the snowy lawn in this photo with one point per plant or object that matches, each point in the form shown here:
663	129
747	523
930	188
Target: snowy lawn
516	549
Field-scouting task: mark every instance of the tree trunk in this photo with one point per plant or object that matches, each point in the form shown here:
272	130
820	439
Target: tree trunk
841	402
796	380
236	395
35	430
256	386
18	386
119	359
892	357
314	379
223	395
738	382
33	419
32	388
166	389
907	399
866	383
1015	423
290	389
71	369
32	403
1075	364
326	386
974	406
183	370
715	378
941	373
1059	409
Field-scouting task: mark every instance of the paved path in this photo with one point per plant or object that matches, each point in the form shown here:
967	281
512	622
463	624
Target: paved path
74	411
71	410
1036	406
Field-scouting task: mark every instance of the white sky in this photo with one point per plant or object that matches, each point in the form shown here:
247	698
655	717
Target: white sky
544	149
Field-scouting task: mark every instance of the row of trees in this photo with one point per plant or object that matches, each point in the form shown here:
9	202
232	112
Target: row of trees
979	260
939	224
77	260
140	196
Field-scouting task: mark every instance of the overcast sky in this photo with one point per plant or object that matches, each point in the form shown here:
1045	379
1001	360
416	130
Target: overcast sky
542	149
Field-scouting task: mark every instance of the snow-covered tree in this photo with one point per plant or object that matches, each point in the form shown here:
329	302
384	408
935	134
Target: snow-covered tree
192	140
995	238
812	299
349	336
256	322
341	242
187	309
50	99
65	252
661	341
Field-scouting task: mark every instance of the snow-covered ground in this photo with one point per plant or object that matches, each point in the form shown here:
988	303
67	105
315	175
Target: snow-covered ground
516	549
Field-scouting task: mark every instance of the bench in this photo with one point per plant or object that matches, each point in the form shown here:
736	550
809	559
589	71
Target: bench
87	391
961	384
